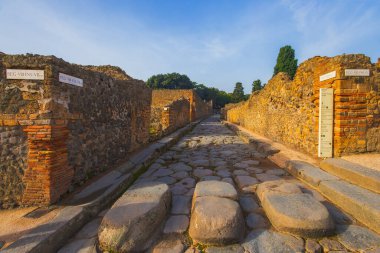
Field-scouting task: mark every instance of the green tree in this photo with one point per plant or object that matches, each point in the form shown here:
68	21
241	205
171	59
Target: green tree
238	93
256	85
170	81
286	61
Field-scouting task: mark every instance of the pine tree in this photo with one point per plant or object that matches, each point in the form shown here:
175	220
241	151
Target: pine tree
256	85
238	93
286	61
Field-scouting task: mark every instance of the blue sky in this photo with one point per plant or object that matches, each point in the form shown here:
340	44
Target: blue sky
215	42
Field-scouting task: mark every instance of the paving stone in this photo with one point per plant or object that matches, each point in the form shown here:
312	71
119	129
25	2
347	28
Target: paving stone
266	177
180	175
241	165
227	153
268	241
330	245
89	230
215	189
180	167
210	178
228	180
166	180
236	248
162	173
338	216
293	212
169	246
356	238
248	204
217	221
176	224
181	204
80	246
186	182
245	181
256	221
219	163
200	162
251	162
313	246
254	170
240	173
202	172
276	172
190	192
223	173
125	226
178	189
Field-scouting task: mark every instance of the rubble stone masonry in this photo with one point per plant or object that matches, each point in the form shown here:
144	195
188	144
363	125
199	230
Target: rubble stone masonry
55	135
287	110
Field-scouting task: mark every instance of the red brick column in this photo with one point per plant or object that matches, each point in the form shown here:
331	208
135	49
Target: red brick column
48	175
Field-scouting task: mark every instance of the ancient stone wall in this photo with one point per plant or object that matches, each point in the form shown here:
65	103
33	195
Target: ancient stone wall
167	118
287	111
65	133
198	108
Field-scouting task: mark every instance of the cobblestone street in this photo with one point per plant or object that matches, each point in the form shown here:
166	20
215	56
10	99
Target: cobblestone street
212	152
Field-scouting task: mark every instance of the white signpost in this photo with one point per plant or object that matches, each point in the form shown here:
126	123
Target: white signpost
28	74
329	75
70	80
326	119
356	72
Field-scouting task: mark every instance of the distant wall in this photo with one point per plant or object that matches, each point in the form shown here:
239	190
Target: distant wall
287	111
167	118
59	134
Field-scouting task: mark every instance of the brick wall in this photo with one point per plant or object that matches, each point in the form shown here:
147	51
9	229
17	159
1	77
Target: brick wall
64	134
287	111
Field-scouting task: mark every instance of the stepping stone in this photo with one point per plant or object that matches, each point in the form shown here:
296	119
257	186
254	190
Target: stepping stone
202	172
181	204
125	226
256	221
216	221
216	189
268	241
236	248
357	239
267	177
292	211
240	173
248	204
246	181
162	173
176	224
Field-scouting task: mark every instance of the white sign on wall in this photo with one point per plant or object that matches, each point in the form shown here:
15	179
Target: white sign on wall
70	80
327	76
356	72
326	119
28	74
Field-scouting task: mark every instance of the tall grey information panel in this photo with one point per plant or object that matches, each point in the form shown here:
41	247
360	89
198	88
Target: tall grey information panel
326	120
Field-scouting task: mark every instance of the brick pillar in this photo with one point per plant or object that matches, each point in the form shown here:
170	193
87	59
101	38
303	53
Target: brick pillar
48	175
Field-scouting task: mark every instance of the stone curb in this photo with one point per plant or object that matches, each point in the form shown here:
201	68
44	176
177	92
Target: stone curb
362	204
51	236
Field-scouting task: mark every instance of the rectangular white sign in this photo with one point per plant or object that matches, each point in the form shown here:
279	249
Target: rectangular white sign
327	76
28	74
70	80
326	119
356	72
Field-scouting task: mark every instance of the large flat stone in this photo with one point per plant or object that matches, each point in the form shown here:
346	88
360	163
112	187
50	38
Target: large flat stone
353	173
296	213
133	219
216	189
268	241
358	239
362	204
216	221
